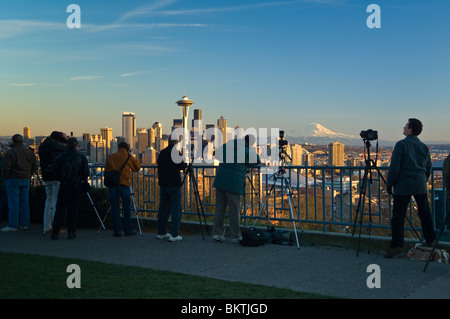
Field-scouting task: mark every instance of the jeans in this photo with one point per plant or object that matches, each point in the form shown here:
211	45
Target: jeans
169	204
51	192
401	203
3	202
18	202
125	193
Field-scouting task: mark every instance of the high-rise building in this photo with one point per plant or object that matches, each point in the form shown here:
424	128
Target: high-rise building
26	133
297	155
129	127
107	135
336	154
222	126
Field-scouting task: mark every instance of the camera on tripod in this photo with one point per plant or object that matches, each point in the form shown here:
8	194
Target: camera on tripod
369	135
282	145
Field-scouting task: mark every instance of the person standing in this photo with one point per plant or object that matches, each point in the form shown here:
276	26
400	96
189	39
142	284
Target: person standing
71	169
3	194
230	185
169	179
48	151
116	161
407	176
18	166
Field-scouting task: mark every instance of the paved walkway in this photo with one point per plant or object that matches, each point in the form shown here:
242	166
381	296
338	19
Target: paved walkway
323	270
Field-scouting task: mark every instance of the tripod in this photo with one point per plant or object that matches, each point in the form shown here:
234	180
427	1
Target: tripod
437	239
95	209
190	173
367	178
281	174
135	212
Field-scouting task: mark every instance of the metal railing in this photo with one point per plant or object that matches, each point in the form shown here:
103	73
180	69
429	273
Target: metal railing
324	198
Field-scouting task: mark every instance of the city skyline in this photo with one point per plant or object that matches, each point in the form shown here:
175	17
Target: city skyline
258	64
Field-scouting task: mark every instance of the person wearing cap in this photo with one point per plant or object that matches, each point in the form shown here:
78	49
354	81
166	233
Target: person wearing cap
48	151
169	179
71	169
18	166
115	161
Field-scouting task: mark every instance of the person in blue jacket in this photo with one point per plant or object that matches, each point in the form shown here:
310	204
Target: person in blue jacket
407	176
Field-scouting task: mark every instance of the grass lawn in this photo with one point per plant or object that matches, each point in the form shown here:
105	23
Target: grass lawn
25	276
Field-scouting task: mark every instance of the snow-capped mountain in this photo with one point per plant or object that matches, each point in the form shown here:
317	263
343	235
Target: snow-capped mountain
318	130
315	133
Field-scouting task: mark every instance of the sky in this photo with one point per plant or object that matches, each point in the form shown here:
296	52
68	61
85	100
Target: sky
262	64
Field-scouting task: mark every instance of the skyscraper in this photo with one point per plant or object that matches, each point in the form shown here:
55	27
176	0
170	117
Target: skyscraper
129	127
336	154
107	135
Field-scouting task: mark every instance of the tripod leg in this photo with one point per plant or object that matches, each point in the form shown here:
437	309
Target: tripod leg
292	217
104	219
197	200
266	201
135	210
437	240
95	209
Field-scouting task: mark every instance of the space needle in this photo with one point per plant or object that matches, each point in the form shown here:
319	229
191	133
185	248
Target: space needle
184	105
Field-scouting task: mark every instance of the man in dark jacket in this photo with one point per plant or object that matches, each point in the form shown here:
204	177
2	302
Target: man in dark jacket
407	176
230	184
170	193
48	151
18	166
71	169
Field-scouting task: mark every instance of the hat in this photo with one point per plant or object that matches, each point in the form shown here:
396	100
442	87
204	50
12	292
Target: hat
72	141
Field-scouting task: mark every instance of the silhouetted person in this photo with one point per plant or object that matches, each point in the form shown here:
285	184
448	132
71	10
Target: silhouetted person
53	145
70	168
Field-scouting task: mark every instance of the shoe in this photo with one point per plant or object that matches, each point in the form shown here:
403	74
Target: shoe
177	238
218	238
117	235
131	233
236	239
392	252
71	235
48	231
9	229
166	236
63	231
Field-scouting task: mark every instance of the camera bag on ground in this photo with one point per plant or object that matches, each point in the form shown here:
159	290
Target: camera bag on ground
277	236
253	237
112	177
419	252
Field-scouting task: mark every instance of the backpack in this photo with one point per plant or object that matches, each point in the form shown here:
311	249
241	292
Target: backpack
419	252
253	237
70	174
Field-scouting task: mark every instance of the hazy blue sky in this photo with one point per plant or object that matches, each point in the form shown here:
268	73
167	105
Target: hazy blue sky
269	64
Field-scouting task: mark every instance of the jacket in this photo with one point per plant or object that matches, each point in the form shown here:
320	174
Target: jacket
169	171
115	162
19	162
410	167
2	180
232	170
81	165
48	151
446	176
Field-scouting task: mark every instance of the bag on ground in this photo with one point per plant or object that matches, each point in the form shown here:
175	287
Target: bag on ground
252	237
